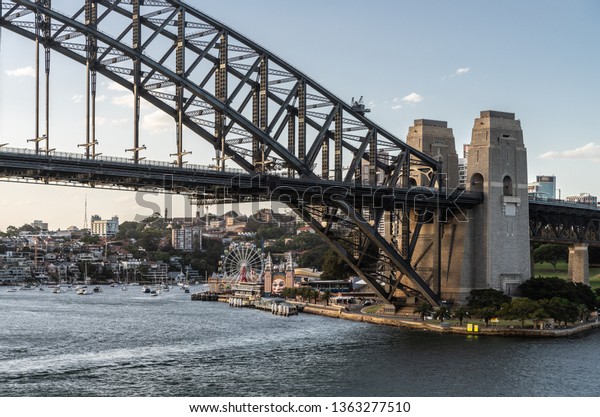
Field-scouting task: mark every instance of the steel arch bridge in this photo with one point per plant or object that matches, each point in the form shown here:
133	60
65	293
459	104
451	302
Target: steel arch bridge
276	124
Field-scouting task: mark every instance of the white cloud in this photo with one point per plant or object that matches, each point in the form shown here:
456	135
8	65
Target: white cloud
124	100
412	98
588	151
397	105
157	122
116	87
77	98
100	98
21	72
119	121
457	73
461	71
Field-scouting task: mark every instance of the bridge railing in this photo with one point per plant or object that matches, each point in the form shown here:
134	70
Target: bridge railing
115	159
564	203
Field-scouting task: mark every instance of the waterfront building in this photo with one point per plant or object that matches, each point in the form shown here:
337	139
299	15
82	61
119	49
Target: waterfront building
277	278
187	238
105	228
462	173
462	167
543	187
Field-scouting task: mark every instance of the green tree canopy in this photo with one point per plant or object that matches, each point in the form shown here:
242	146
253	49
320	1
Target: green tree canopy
519	309
422	308
489	297
561	310
441	313
547	288
461	313
487	313
551	254
334	267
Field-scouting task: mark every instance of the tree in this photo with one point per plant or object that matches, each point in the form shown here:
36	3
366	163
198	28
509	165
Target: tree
12	231
550	253
313	258
543	288
334	267
285	292
422	308
520	309
479	299
28	228
584	312
461	313
314	294
547	288
487	313
561	310
326	296
91	240
441	313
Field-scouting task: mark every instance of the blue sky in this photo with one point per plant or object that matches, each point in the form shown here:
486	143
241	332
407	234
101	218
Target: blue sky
444	60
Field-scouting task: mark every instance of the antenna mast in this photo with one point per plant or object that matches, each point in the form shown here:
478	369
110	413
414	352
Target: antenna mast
85	222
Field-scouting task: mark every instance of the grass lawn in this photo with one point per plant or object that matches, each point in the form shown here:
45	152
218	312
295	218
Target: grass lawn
562	271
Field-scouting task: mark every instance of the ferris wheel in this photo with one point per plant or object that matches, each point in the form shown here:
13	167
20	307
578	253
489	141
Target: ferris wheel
243	263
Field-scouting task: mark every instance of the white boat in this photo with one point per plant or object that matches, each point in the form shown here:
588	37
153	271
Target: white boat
82	291
11	290
56	290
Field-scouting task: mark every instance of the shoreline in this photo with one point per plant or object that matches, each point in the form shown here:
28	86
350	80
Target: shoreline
340	313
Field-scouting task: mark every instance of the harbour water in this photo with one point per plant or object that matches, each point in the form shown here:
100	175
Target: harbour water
125	343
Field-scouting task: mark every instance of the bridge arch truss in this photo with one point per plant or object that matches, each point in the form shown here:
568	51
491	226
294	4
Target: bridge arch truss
256	110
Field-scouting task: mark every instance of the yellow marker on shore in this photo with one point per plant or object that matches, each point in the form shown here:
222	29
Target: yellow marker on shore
472	327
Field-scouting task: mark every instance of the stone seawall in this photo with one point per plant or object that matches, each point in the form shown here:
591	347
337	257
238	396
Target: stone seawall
339	313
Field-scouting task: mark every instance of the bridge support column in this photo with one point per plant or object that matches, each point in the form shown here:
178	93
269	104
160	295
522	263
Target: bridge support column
497	165
531	260
579	267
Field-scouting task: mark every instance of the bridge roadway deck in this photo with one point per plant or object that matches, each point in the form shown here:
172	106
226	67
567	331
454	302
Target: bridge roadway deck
231	184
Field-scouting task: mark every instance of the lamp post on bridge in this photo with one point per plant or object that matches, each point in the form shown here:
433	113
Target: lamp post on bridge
179	162
87	147
38	140
136	150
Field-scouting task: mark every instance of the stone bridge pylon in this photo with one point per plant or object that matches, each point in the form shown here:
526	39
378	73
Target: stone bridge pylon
489	246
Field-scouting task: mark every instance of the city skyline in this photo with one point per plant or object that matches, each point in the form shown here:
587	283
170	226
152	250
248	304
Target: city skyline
431	60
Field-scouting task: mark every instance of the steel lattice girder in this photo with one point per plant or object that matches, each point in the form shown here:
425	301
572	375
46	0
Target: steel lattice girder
195	93
564	223
267	73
